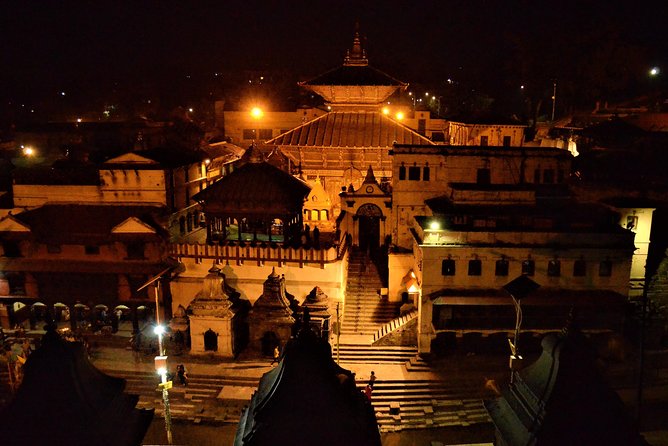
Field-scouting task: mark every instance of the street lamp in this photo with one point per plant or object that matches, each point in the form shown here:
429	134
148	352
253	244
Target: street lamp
518	289
161	360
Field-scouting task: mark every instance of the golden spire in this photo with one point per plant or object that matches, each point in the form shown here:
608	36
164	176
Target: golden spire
356	56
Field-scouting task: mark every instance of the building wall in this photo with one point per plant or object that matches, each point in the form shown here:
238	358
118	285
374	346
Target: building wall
462	134
235	122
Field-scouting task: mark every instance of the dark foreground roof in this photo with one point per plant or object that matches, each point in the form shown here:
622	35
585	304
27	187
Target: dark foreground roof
308	400
65	400
562	399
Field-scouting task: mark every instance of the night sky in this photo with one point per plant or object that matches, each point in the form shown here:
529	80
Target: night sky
87	47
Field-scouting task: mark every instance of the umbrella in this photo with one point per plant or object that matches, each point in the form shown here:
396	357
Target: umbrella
122	307
101	307
59	305
38	304
81	306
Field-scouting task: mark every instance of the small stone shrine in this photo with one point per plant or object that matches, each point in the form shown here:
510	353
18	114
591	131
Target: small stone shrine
271	318
212	318
317	303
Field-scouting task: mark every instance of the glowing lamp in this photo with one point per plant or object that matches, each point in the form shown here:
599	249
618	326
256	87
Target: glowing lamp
386	111
159	330
256	112
399	116
434	225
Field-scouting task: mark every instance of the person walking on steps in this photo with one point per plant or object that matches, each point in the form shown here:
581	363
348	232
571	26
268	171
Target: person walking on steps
182	375
372	379
277	356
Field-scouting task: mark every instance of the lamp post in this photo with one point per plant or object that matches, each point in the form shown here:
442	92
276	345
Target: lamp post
518	289
161	360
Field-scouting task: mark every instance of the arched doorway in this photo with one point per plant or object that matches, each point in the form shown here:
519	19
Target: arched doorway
369	217
210	341
269	342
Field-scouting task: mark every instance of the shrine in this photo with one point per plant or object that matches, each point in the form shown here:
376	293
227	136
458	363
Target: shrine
256	202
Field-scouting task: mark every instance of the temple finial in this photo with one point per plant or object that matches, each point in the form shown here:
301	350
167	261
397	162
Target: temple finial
356	56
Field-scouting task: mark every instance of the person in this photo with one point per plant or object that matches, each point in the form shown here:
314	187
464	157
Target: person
367	392
372	379
277	356
182	374
26	347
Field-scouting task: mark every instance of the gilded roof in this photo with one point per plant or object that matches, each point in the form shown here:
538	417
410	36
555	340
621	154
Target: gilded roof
350	129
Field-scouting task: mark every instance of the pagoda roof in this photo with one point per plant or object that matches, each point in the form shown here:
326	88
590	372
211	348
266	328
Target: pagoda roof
255	187
308	399
65	399
350	129
354	75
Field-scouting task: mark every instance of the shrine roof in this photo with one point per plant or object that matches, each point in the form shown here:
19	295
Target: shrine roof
350	129
255	186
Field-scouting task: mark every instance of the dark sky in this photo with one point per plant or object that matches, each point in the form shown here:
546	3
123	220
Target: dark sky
53	45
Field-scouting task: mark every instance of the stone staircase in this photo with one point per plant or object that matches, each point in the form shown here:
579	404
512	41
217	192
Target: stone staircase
365	311
197	402
414	404
365	353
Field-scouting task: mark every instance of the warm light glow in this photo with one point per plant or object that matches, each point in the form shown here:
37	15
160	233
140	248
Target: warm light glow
256	112
386	111
159	330
207	161
435	225
654	71
78	119
28	151
162	371
426	94
399	116
190	110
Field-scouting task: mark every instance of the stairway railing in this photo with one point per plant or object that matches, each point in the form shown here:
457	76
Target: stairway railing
394	324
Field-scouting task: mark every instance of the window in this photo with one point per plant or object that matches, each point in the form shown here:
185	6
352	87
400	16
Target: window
402	172
605	268
249	134
265	134
414	173
554	268
16	283
425	173
501	267
548	176
475	267
448	267
11	248
528	267
422	126
91	250
506	141
136	250
483	176
53	249
484	141
580	268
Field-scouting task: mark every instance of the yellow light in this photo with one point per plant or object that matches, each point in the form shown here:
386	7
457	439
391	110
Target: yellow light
207	161
28	151
78	119
256	112
399	116
435	225
386	111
